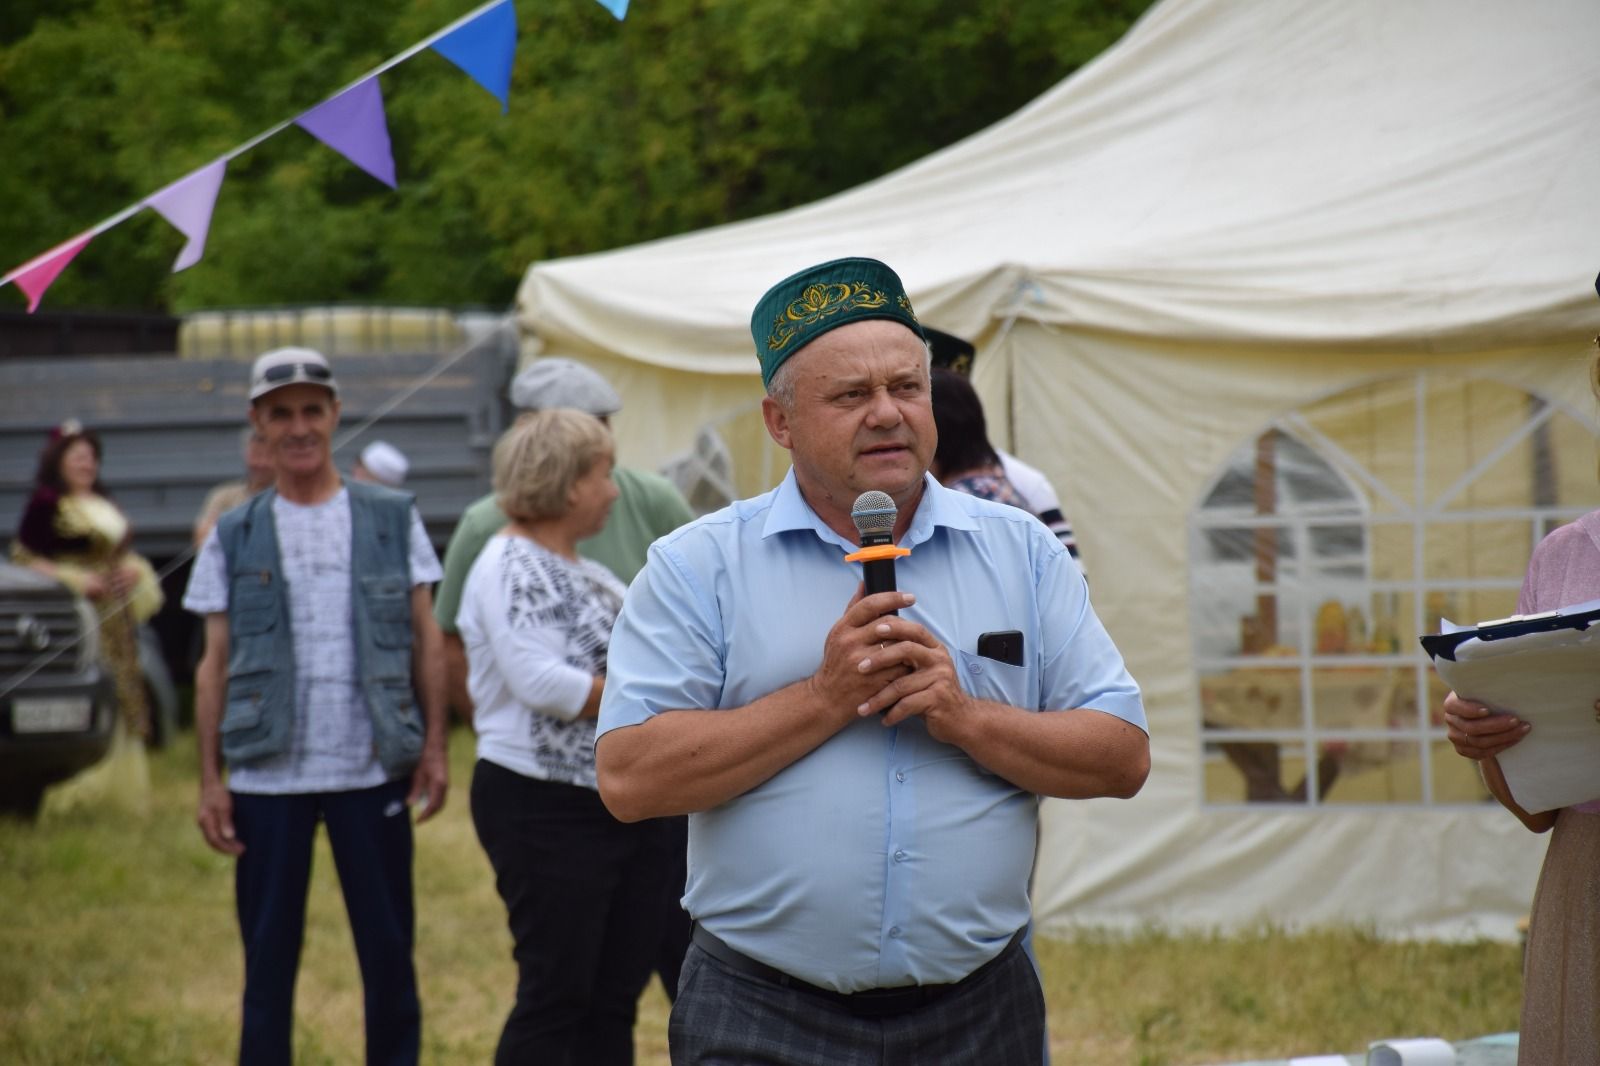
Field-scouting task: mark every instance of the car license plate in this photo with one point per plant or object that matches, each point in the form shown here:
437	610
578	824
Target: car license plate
59	714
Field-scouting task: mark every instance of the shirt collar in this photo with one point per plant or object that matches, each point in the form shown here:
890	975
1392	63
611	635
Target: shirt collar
939	507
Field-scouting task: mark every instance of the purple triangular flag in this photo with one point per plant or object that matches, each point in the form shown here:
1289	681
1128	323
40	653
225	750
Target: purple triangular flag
618	8
353	124
484	48
187	204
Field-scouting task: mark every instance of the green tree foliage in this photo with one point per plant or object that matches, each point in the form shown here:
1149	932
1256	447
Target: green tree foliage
688	114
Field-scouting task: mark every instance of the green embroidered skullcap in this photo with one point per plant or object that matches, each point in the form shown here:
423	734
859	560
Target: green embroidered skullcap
804	306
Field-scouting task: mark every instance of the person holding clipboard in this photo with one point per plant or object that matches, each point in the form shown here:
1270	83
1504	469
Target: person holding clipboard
1561	983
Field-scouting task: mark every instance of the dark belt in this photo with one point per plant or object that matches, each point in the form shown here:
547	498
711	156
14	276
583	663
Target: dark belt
870	1003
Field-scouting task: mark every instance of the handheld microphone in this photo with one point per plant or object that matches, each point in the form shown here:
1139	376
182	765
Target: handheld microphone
874	514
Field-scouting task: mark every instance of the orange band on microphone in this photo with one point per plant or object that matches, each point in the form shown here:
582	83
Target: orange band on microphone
876	552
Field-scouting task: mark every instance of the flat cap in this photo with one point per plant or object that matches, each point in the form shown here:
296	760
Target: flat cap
557	382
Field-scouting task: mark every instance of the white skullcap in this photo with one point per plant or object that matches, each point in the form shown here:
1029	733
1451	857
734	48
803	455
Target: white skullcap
386	463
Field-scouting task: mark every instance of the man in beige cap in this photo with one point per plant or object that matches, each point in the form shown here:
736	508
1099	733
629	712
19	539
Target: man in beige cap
321	688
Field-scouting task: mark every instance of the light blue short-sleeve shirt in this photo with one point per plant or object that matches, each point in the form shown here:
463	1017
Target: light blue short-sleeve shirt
884	857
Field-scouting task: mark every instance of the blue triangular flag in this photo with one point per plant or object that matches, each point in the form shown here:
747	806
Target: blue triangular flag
484	48
618	8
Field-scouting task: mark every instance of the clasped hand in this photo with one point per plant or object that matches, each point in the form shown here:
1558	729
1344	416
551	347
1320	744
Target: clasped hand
876	661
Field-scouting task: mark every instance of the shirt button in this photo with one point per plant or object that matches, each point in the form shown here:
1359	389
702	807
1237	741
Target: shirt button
894	931
899	775
900	856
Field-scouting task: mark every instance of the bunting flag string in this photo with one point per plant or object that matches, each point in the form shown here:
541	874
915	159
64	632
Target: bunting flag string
482	43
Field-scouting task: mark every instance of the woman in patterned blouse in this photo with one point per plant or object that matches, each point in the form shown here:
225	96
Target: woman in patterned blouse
580	887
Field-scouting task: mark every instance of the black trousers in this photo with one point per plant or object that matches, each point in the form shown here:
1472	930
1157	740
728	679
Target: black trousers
370	834
723	1017
583	900
676	926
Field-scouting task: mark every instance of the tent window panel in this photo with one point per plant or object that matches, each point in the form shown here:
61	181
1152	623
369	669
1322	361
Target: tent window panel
1471	422
1374	426
1574	461
1342	542
1255	698
1257	771
1392	550
1371	771
1361	698
1456	780
1306	594
1479	605
1484	548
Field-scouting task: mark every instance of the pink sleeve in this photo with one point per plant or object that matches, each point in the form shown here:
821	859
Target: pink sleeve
1530	585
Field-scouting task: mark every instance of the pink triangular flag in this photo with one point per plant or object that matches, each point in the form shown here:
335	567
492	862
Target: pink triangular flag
37	274
187	204
353	124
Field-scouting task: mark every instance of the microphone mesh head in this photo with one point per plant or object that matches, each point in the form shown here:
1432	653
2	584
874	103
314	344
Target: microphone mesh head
873	512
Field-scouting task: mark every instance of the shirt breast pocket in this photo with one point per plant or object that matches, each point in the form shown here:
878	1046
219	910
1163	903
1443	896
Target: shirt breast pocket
998	682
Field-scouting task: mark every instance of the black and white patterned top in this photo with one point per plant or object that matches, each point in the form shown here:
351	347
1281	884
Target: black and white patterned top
536	628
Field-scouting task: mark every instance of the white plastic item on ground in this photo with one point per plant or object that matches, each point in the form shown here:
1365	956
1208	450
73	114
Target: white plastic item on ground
1418	1051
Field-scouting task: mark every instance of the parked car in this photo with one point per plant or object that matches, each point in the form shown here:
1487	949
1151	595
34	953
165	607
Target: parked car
57	706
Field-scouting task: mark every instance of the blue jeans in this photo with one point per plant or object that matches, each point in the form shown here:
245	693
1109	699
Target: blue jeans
370	833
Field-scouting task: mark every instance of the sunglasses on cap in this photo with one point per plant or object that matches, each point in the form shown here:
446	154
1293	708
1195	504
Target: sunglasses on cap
291	371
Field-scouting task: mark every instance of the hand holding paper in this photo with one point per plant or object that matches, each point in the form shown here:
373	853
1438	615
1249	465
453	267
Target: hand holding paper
1478	732
1544	672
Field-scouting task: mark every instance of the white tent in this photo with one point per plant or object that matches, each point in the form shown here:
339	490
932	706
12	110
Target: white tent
1292	301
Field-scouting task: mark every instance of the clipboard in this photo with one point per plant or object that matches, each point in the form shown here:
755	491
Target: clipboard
1545	668
1444	645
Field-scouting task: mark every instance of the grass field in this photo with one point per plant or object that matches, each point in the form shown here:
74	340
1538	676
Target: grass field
118	945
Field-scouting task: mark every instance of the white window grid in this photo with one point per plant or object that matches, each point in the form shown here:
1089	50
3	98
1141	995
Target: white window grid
1418	513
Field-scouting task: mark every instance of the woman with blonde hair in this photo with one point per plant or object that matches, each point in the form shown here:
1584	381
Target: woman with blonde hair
581	889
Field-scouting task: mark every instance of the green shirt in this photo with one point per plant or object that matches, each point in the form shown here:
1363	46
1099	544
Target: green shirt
648	506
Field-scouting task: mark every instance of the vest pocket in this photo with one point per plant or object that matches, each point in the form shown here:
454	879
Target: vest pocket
388	601
253	608
397	725
246	727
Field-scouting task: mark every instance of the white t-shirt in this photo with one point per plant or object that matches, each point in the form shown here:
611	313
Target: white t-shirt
536	628
330	748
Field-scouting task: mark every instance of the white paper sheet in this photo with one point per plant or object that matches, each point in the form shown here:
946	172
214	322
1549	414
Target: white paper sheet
1550	680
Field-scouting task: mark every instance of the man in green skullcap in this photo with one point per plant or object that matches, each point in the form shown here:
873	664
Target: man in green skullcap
861	773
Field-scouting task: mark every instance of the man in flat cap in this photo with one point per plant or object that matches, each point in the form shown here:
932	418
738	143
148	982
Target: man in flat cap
862	784
647	506
321	688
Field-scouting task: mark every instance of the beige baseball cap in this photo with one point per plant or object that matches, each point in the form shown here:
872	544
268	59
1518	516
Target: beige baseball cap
290	366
